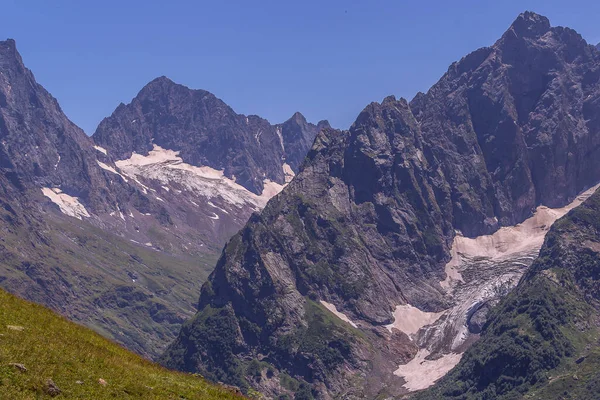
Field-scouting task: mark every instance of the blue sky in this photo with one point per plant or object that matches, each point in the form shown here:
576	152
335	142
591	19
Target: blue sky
327	59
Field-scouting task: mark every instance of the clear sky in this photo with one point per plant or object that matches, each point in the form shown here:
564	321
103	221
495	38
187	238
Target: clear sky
327	59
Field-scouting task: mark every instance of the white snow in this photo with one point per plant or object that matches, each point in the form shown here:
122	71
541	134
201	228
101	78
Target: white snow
210	203
494	264
101	149
215	216
110	169
68	205
57	162
280	136
166	166
288	172
420	373
510	240
409	319
338	314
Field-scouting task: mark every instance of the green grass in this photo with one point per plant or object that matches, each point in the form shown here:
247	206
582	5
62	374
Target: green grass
50	347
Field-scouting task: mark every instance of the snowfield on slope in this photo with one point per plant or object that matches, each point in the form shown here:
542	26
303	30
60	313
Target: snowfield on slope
482	270
68	205
167	167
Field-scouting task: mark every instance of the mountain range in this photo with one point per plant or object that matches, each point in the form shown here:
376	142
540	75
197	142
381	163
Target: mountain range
440	248
375	268
118	231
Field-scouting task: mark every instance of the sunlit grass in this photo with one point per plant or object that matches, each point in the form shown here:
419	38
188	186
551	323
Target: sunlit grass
75	358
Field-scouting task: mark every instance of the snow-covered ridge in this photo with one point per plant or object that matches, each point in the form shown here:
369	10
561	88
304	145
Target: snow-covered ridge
68	205
167	167
482	269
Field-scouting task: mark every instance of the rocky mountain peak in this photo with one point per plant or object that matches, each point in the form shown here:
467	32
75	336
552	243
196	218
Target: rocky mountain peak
529	25
207	133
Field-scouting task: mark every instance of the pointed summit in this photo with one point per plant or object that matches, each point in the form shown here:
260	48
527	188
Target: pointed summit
530	24
298	118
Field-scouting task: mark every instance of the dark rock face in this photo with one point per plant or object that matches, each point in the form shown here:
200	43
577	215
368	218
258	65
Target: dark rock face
298	136
368	222
39	146
206	132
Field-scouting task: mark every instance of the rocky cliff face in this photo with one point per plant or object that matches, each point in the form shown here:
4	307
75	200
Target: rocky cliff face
206	132
308	288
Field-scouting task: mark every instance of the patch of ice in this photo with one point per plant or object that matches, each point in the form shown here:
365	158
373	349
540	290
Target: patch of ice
420	373
288	172
101	149
166	166
409	319
68	205
338	314
210	203
215	216
110	169
280	136
510	240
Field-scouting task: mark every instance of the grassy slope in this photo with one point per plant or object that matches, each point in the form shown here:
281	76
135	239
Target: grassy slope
88	275
51	347
543	340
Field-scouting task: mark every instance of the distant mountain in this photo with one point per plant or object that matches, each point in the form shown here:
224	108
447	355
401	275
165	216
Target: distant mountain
120	240
207	132
375	268
542	340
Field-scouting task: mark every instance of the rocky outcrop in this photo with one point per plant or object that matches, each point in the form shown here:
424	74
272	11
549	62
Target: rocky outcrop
369	221
206	132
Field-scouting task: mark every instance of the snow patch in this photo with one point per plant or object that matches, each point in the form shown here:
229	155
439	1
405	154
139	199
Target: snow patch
101	150
68	205
110	169
338	314
509	240
210	203
288	172
420	373
409	319
166	166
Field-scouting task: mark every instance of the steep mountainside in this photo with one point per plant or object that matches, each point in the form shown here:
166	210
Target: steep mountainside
543	340
43	356
119	245
337	282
